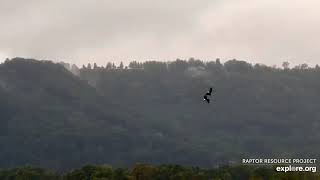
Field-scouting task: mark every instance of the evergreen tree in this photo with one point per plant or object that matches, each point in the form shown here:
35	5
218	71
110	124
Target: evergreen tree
121	65
95	66
89	66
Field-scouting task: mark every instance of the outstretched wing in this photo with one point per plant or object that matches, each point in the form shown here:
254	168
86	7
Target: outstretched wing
210	90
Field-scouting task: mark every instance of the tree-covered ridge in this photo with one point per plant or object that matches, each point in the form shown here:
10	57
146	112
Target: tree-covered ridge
51	118
257	110
161	172
153	112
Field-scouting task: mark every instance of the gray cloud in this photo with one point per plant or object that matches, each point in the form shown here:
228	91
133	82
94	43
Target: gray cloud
79	31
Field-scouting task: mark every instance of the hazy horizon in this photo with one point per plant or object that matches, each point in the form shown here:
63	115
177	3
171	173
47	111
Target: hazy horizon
260	31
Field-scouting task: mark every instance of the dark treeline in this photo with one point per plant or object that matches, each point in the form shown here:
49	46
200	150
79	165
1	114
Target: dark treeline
153	112
191	62
161	172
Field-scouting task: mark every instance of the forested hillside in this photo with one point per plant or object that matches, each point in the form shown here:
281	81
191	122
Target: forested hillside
51	118
256	110
153	112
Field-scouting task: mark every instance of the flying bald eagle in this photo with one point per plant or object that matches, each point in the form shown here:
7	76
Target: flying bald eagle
205	98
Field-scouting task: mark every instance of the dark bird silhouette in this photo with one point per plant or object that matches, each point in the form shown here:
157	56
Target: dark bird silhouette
209	92
205	98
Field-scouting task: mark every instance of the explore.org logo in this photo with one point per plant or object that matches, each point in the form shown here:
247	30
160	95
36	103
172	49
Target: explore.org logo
285	165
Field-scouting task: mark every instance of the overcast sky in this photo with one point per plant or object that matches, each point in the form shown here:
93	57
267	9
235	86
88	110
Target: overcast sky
82	31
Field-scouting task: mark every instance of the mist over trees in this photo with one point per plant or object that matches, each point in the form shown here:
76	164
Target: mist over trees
153	112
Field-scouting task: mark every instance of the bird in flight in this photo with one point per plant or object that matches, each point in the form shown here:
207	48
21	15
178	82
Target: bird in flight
205	97
209	92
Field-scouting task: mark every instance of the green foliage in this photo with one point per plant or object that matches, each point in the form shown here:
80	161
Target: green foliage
28	173
162	172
